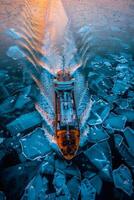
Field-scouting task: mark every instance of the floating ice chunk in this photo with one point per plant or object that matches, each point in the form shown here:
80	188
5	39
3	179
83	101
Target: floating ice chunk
122	67
111	98
129	114
95	64
84	29
88	192
100	156
124	151
23	98
94	119
123	103
46	168
120	59
107	64
129	135
74	187
59	182
123	179
13	33
118	140
102	109
120	87
96	183
106	173
1	140
24	122
7	105
35	144
36	189
15	53
95	180
115	122
97	134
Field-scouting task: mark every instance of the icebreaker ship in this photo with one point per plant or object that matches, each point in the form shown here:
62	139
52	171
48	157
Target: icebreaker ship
66	123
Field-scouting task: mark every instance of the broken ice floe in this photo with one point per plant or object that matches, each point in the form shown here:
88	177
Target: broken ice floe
24	122
74	187
35	144
97	183
13	33
124	151
59	183
87	190
126	113
115	122
123	179
97	134
100	156
23	98
15	53
99	112
7	105
36	189
129	135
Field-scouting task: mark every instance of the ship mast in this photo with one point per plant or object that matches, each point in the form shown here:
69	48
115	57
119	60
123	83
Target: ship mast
63	59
